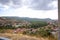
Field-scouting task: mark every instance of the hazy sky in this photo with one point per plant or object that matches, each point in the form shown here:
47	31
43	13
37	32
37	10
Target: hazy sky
29	8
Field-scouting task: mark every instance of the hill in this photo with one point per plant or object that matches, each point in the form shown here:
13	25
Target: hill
26	19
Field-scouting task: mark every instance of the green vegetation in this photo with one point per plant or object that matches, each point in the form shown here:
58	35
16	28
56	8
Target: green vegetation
35	24
38	24
31	27
41	32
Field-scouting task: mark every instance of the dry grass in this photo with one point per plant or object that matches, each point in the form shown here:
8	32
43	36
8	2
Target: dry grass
22	37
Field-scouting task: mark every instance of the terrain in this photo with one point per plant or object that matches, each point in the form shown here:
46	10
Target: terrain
23	37
24	28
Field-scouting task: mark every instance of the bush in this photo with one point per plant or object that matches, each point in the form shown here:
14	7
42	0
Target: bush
44	33
2	31
41	32
38	24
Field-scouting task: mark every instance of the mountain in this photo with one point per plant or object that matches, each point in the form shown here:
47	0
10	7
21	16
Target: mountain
12	18
26	19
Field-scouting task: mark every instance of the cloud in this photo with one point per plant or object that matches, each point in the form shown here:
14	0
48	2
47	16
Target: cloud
32	4
16	2
11	3
40	4
21	12
4	1
3	7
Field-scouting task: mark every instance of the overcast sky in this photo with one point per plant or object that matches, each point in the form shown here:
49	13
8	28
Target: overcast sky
29	8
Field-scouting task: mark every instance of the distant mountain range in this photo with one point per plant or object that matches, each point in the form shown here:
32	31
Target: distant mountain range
26	19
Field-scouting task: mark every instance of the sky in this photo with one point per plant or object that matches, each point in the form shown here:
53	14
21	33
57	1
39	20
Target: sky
29	8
